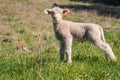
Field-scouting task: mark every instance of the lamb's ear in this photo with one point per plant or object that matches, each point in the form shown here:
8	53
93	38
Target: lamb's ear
65	11
47	11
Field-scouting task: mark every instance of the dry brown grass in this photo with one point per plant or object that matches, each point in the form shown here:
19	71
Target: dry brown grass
38	44
26	20
19	45
4	30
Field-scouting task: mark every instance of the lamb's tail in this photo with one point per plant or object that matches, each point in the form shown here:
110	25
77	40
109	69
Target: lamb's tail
102	35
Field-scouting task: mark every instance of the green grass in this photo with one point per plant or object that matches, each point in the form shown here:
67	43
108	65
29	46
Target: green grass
22	20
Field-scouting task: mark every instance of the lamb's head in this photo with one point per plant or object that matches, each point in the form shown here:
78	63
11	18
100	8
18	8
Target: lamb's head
57	12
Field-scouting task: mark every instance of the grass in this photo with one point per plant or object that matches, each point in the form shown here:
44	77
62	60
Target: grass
24	25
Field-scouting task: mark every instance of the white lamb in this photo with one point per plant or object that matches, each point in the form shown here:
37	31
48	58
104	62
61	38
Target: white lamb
66	31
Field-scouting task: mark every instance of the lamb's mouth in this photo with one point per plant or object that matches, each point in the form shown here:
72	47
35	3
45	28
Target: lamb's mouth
55	19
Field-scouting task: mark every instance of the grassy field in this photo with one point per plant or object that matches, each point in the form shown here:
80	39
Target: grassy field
29	50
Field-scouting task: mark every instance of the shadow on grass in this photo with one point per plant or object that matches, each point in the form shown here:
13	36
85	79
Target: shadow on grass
102	10
85	58
106	2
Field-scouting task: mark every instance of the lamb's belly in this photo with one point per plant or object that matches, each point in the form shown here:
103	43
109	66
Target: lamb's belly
80	38
78	33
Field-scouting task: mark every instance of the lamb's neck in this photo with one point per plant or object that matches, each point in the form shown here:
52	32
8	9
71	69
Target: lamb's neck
56	22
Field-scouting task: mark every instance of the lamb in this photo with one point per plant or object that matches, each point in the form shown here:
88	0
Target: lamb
67	31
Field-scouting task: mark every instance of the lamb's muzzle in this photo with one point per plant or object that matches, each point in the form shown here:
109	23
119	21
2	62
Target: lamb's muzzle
67	31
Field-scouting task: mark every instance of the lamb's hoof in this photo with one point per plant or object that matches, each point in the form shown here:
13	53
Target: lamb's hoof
69	61
114	59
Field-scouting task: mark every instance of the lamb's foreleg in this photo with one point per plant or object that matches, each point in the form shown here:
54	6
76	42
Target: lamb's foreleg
68	50
62	50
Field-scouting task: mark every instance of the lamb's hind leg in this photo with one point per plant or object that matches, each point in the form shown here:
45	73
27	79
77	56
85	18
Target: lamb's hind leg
106	48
